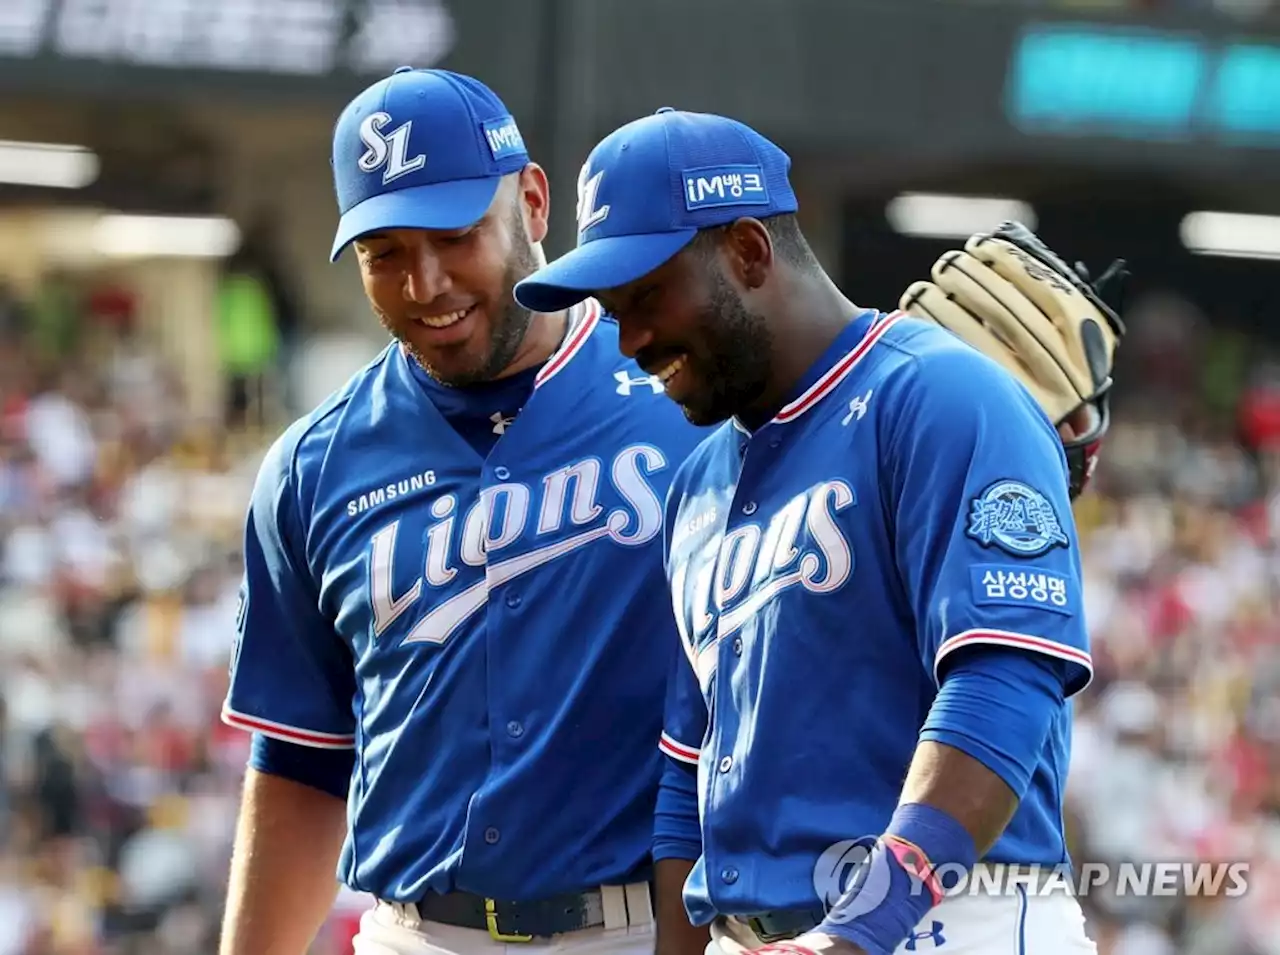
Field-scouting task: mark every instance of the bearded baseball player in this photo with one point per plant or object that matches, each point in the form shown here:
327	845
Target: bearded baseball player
449	651
872	559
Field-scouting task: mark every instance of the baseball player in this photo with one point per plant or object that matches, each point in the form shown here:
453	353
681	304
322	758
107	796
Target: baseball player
872	560
448	650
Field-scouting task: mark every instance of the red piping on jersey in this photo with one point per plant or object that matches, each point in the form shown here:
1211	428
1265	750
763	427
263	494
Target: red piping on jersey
1007	638
837	372
676	750
577	337
290	734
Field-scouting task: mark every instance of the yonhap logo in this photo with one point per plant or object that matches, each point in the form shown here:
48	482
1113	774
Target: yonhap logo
851	879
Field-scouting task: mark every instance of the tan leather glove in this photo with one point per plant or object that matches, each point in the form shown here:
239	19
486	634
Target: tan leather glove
1010	297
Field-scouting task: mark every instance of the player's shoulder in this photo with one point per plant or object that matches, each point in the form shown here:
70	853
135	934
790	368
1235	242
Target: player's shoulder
306	440
923	343
941	386
926	363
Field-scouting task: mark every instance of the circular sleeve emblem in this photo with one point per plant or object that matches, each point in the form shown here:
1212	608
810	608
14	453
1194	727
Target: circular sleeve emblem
1016	518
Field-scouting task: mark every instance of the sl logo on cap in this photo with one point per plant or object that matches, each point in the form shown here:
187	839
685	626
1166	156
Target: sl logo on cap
588	192
389	150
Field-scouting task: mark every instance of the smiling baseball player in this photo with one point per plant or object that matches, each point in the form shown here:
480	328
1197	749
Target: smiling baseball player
449	652
872	561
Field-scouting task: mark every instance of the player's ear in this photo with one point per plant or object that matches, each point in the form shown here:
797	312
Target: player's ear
749	251
535	200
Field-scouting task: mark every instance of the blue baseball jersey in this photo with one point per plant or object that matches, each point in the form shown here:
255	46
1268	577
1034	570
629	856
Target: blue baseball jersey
489	633
910	501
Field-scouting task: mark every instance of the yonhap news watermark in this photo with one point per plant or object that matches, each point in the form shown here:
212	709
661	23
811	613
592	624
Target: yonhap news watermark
1136	879
853	878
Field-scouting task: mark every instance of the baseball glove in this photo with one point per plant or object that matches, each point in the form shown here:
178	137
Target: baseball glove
1012	298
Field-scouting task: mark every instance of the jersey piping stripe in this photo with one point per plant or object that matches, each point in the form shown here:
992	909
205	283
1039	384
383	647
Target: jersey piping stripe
677	750
289	734
839	371
578	334
1007	638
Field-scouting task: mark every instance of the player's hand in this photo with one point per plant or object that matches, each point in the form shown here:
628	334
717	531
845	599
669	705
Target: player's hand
812	943
1011	297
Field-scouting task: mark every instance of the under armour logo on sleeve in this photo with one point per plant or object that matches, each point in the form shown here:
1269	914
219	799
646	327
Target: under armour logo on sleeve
626	383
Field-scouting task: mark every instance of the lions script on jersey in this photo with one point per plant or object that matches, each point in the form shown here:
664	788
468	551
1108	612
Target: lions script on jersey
909	501
478	629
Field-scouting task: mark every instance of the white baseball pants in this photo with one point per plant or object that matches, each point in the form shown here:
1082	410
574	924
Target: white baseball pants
1011	924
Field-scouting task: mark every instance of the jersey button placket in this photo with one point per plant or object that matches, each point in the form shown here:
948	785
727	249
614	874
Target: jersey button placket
772	434
723	734
752	463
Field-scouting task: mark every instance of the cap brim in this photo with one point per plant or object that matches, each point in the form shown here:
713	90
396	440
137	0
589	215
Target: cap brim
603	264
439	205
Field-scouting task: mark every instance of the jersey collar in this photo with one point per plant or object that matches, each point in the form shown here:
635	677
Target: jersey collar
828	380
583	319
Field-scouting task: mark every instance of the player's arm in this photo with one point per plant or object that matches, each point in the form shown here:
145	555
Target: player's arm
292	684
1020	304
677	829
987	554
677	832
282	886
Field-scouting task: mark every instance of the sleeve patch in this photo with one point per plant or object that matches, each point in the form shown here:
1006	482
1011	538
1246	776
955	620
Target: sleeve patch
1010	586
1016	518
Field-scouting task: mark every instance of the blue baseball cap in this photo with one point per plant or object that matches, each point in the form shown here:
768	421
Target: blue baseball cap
421	149
645	192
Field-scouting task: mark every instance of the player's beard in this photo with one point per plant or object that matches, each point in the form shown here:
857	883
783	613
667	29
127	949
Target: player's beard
507	329
732	357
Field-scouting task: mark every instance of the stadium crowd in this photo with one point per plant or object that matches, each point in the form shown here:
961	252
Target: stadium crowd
120	517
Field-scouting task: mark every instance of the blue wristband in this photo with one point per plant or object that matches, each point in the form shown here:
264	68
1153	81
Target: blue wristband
899	881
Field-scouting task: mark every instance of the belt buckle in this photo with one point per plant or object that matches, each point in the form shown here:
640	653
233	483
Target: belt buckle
757	925
491	922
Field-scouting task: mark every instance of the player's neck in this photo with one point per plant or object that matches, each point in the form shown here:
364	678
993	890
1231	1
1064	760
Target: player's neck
546	333
815	314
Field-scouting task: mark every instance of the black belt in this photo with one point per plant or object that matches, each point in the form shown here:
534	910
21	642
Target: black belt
515	921
788	923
